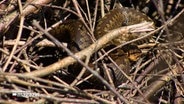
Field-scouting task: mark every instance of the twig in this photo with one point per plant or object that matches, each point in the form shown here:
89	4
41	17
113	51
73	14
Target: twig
161	82
14	78
19	60
27	10
18	36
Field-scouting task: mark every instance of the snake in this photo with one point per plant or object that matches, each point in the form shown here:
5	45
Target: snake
77	35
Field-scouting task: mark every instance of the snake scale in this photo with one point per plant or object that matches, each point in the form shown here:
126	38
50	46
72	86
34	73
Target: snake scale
77	35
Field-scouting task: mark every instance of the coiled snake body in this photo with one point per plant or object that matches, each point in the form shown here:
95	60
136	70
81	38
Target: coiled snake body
77	34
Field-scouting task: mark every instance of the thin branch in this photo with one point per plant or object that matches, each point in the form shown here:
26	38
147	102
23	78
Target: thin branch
27	10
18	36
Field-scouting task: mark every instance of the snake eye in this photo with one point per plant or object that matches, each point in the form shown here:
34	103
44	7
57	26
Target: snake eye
133	52
134	56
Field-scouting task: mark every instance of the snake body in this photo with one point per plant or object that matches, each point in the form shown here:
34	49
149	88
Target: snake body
78	35
73	32
76	31
117	18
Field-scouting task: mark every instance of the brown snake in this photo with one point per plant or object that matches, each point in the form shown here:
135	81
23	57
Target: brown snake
78	35
76	31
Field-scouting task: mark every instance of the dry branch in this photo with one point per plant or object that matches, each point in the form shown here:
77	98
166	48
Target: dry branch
30	8
155	86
